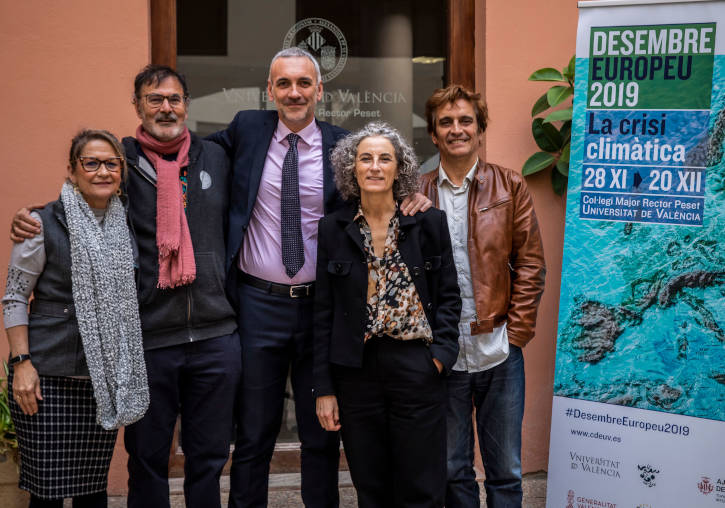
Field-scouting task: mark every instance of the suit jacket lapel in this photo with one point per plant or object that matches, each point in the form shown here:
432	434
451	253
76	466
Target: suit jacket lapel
265	138
350	226
328	185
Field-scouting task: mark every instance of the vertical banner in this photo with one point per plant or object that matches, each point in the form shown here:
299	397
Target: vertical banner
638	417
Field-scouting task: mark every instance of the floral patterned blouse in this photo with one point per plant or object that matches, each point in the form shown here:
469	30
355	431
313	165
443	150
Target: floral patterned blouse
393	305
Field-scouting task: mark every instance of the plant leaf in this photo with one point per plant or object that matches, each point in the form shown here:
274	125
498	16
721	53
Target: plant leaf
557	94
565	131
562	167
536	163
558	182
542	104
561	114
569	71
565	152
546	135
546	74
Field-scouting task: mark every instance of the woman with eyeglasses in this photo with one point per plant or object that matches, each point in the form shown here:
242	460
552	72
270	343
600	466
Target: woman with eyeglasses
77	365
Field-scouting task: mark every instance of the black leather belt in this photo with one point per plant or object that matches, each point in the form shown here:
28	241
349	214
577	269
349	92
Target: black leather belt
291	291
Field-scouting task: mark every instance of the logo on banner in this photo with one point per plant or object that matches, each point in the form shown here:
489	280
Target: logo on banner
588	502
570	499
600	466
324	40
704	485
648	474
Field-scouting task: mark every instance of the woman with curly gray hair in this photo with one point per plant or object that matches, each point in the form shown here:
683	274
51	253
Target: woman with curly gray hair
344	156
387	306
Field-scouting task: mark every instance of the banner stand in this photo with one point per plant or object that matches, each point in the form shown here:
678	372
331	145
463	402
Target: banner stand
638	416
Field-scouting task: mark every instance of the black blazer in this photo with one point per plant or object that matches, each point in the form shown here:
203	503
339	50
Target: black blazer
342	280
246	141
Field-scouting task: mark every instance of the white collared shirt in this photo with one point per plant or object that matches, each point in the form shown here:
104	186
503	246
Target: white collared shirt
485	350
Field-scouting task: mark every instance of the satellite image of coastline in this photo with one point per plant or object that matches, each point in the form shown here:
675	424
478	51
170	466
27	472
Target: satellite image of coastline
642	309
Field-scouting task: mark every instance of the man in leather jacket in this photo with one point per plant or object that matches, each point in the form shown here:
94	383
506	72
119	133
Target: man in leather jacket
500	263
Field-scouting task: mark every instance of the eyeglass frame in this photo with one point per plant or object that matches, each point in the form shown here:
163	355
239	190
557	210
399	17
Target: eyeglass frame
121	162
166	98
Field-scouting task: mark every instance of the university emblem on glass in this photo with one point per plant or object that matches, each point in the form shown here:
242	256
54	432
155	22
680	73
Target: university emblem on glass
324	40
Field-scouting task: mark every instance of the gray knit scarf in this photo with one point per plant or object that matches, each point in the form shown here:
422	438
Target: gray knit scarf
104	295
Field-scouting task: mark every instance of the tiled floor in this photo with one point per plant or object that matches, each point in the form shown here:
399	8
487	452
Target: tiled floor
284	492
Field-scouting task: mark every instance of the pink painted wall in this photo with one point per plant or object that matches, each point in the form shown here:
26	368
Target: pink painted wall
65	65
68	65
514	39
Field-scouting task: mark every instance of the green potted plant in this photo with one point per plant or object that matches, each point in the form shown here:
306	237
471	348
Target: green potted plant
10	495
8	441
552	132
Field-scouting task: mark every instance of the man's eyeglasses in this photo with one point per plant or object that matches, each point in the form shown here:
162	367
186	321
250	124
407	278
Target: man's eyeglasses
156	100
91	164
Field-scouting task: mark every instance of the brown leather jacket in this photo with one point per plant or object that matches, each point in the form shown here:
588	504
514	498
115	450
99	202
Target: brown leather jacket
505	250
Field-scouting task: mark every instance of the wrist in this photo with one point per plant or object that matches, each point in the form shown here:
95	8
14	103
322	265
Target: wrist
18	359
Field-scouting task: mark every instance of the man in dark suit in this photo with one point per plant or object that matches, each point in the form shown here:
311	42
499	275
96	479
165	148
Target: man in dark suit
282	184
274	301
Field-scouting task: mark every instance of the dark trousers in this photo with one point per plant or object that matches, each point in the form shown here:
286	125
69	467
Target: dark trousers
198	380
97	500
276	334
498	396
393	425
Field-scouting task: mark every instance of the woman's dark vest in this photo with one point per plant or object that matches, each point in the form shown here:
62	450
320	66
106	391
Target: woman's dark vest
53	336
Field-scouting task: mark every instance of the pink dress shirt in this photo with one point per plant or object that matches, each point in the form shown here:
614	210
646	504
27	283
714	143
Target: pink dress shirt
261	254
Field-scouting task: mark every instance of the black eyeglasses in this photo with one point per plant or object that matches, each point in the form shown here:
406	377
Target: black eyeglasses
156	100
91	164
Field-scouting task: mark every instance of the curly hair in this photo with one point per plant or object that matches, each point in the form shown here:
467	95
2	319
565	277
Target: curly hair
345	153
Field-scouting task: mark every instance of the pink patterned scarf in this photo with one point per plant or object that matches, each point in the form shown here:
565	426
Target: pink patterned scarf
176	252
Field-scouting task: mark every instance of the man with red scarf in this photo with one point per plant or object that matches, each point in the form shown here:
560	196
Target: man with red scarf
178	188
178	198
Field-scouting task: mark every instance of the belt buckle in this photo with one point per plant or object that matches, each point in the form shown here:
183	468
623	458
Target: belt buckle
292	289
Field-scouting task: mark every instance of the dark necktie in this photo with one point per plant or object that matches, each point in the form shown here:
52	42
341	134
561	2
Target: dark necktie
293	250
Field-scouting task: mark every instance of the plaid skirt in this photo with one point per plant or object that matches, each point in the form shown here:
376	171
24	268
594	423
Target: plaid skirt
63	451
